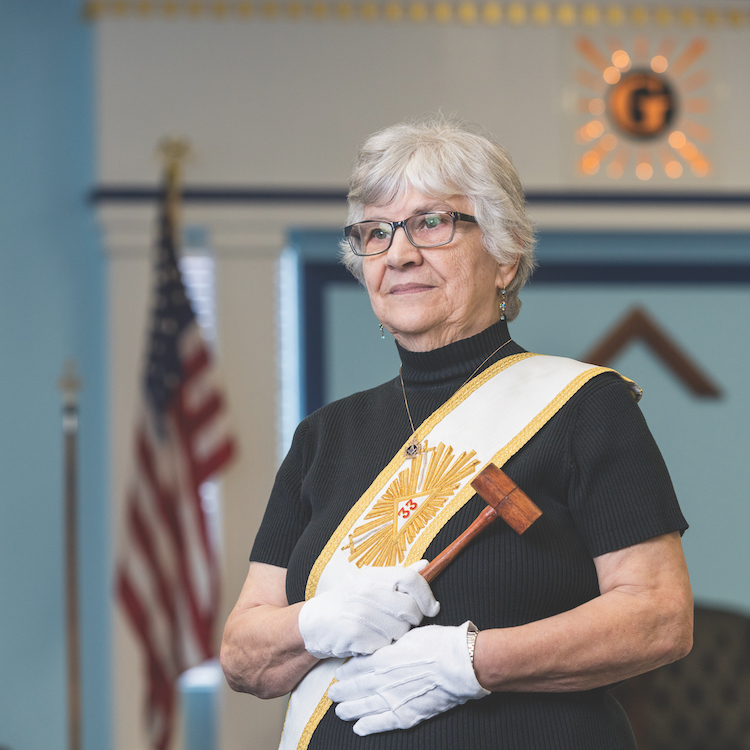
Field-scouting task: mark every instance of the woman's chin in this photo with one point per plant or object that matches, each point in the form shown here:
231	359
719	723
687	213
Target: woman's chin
417	339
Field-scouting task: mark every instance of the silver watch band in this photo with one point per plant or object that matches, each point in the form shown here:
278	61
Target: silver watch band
471	640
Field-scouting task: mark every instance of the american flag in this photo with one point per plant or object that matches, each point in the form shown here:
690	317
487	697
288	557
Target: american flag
167	574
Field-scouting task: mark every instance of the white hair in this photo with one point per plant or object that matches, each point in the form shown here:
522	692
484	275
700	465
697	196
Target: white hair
442	157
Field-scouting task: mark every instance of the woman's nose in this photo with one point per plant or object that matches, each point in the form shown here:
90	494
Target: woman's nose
402	252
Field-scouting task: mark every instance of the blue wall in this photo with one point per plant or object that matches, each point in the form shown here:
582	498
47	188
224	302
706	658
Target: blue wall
52	308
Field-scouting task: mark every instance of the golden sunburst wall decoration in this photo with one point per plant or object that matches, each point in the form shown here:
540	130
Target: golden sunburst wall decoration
643	110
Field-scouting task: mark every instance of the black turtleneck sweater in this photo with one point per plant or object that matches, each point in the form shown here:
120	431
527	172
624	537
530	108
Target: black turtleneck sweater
595	472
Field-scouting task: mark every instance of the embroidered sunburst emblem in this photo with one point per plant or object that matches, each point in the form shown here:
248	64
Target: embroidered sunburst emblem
411	501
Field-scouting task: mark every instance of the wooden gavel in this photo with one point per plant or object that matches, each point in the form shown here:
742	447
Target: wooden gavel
505	499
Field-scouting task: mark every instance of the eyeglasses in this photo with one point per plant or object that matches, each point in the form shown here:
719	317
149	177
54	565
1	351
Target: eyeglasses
431	229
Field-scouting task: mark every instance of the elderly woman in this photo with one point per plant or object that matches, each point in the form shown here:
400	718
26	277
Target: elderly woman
515	644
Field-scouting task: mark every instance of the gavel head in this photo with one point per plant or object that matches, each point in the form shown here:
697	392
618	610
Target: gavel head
508	500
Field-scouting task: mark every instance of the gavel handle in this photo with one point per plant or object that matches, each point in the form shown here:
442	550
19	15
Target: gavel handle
505	499
446	557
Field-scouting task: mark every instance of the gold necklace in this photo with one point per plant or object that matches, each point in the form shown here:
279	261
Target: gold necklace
414	447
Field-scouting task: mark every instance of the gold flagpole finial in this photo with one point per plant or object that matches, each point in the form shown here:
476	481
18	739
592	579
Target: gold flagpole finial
174	152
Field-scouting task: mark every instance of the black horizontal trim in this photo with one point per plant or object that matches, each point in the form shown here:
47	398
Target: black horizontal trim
606	196
135	194
642	273
205	194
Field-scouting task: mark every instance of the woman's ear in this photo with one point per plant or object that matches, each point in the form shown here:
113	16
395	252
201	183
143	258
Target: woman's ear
506	273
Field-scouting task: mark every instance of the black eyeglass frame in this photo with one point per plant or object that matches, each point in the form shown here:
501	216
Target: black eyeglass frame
455	215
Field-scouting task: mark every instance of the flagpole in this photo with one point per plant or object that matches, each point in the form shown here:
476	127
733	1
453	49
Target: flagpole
70	385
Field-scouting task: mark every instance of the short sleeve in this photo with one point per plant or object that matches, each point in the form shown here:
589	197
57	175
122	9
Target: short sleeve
286	516
621	493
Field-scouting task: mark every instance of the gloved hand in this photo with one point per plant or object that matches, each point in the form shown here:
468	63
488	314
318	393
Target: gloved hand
371	610
423	674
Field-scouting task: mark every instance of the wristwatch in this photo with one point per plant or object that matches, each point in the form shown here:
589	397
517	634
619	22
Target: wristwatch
471	640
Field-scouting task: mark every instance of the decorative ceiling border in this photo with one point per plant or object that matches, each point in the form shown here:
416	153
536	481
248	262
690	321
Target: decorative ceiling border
463	12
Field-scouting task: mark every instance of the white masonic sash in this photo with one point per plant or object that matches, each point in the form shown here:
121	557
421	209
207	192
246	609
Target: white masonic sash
487	420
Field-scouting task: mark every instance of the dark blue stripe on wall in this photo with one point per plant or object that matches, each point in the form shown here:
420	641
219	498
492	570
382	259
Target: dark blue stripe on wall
636	196
200	194
647	273
219	194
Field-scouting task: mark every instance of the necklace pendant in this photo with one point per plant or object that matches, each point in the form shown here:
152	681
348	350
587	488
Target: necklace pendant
414	448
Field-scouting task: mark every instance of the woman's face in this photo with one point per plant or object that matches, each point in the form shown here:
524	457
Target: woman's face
430	297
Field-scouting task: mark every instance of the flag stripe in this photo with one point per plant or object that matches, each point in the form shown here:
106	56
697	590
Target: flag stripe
197	361
217	459
161	685
140	619
178	531
141	533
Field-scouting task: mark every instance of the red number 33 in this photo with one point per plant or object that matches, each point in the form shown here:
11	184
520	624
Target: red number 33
407	508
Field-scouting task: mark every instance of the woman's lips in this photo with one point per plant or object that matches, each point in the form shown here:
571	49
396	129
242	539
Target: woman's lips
409	288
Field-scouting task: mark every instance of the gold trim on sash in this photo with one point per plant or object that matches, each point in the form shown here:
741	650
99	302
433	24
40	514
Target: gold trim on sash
317	715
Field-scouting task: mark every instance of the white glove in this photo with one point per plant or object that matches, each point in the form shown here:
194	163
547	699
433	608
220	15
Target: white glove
370	611
425	673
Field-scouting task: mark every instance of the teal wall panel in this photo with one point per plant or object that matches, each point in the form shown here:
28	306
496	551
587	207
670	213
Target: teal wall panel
357	358
52	308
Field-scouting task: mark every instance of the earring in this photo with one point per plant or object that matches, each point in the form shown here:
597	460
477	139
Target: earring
382	332
502	306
